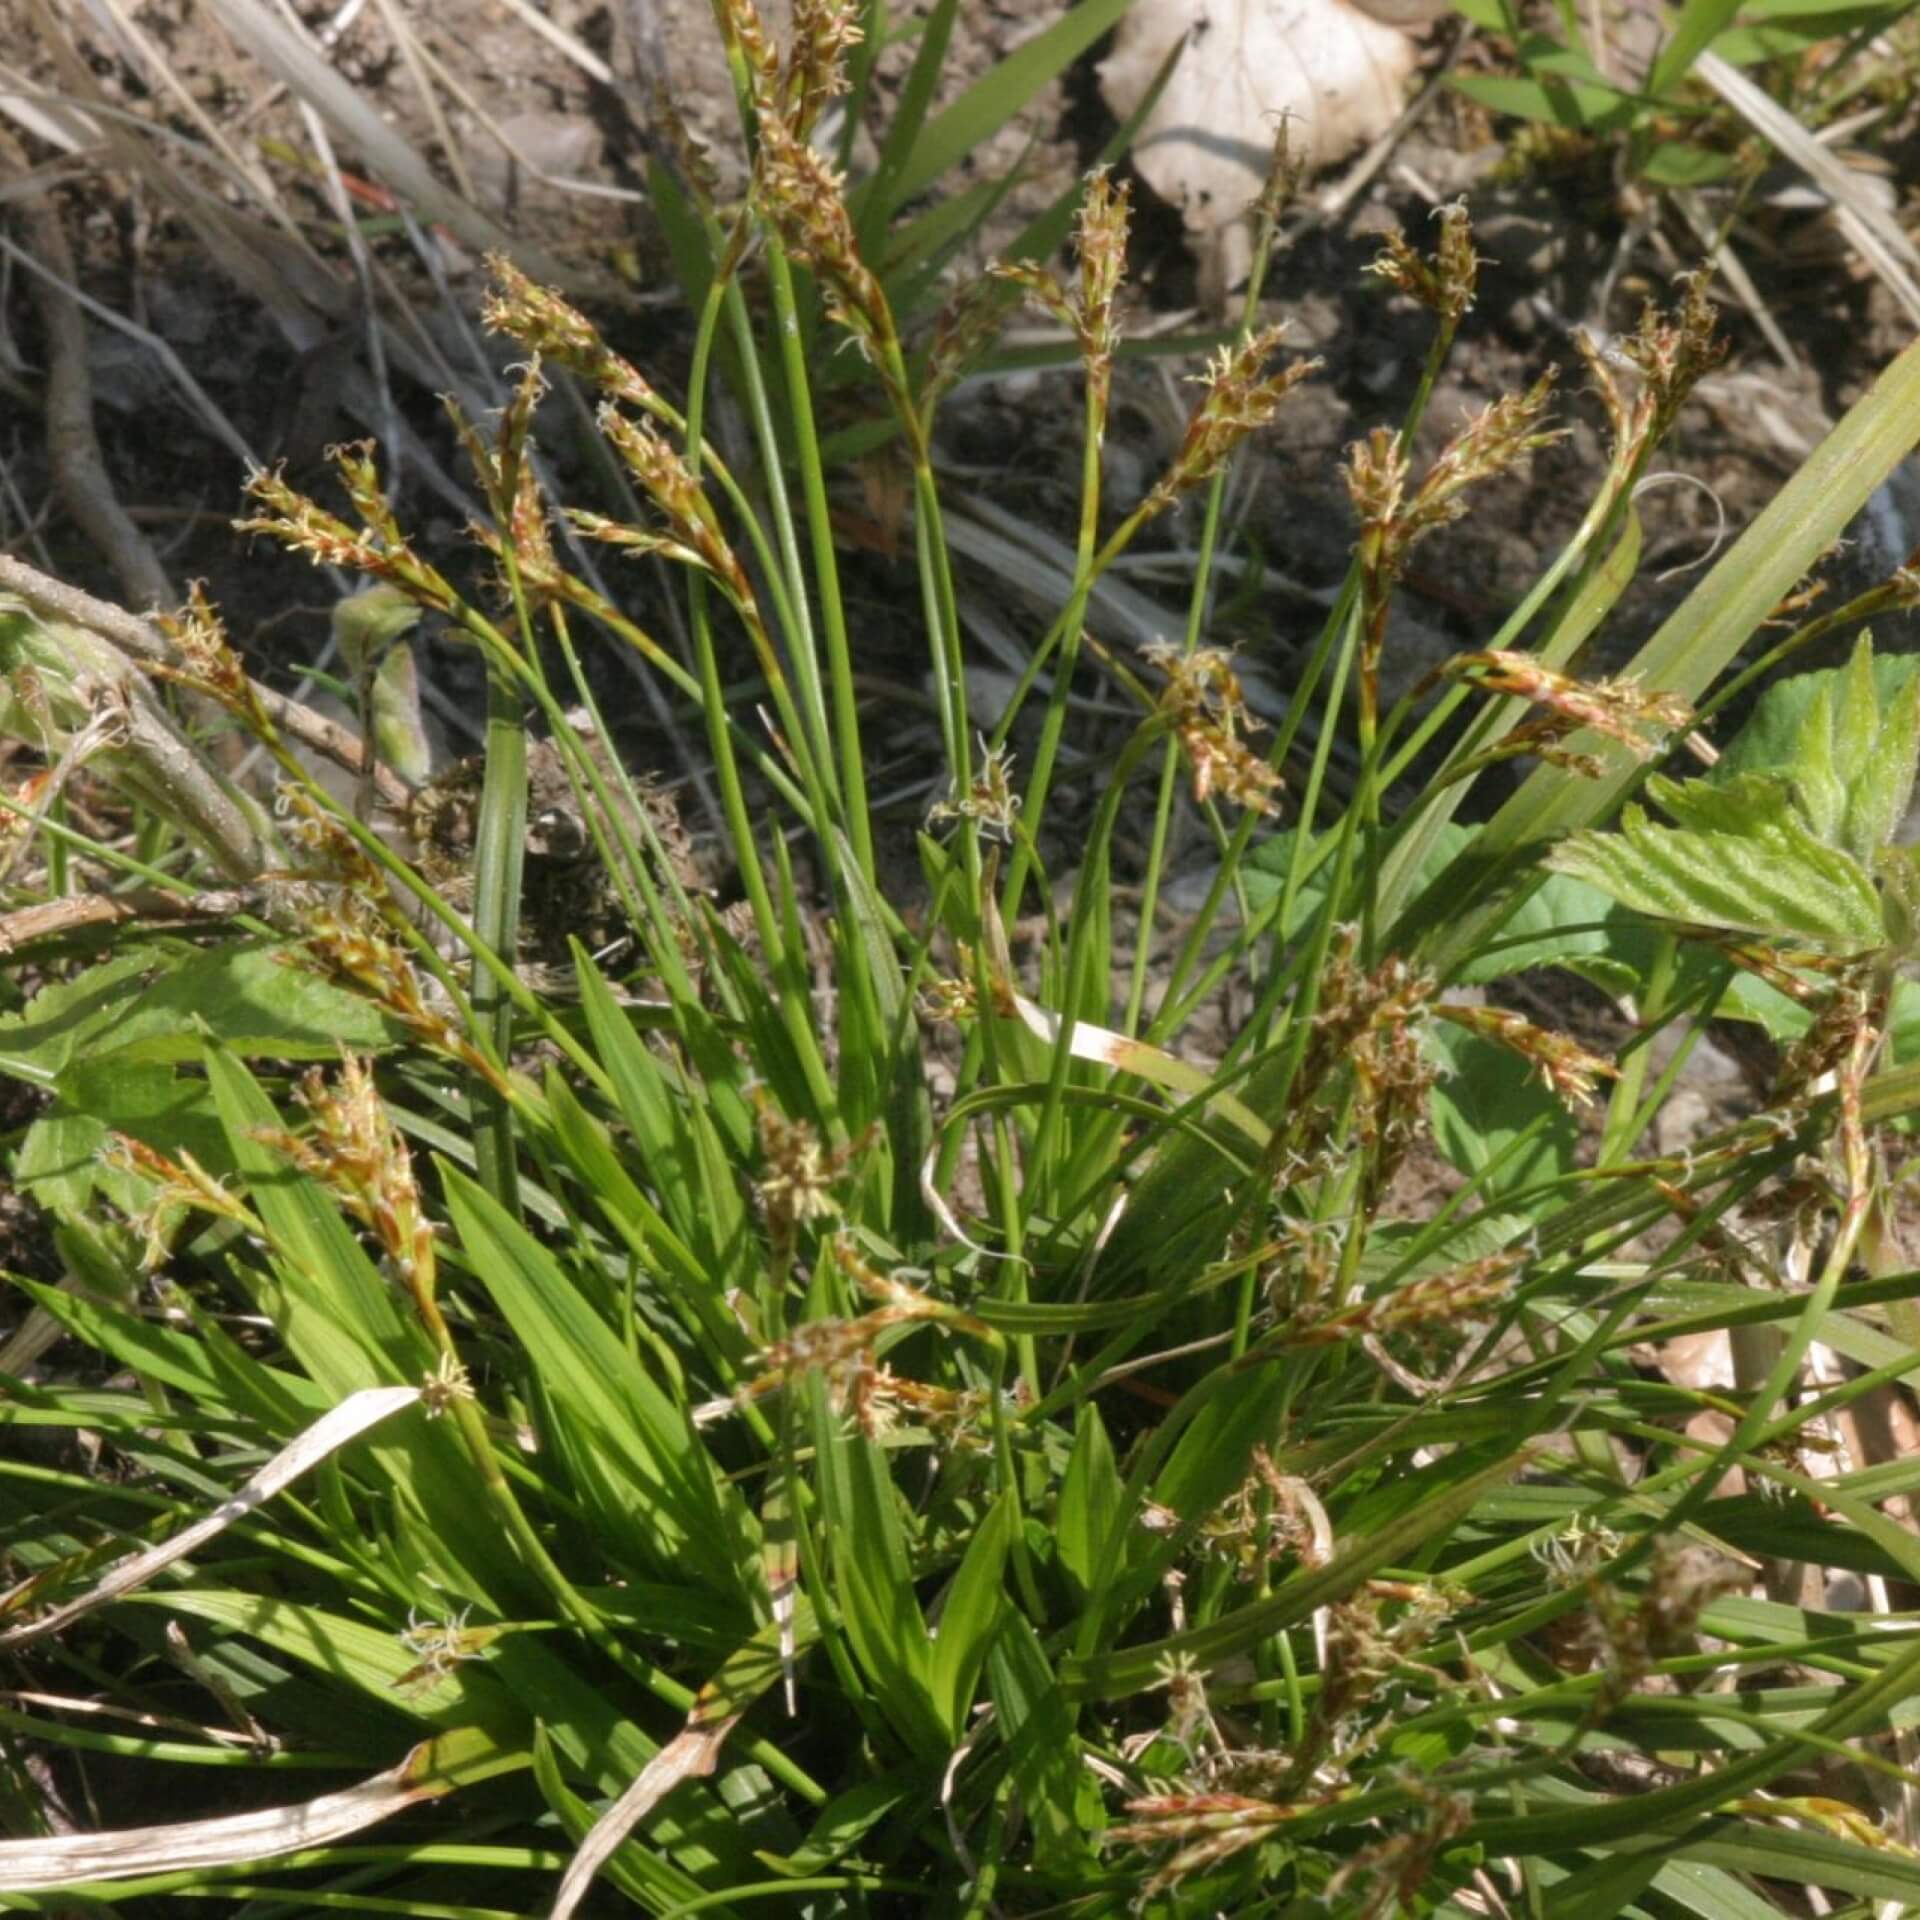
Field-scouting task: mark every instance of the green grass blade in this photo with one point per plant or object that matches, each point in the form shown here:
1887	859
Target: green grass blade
633	1452
971	1617
994	99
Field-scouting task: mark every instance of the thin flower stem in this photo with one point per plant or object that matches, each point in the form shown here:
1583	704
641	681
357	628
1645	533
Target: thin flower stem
796	1015
826	566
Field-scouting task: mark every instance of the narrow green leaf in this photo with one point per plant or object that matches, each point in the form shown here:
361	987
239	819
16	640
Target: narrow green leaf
696	1178
231	1382
1043	1750
1700	22
849	1817
1090	1501
872	1582
880	194
639	1224
971	1617
998	95
631	1450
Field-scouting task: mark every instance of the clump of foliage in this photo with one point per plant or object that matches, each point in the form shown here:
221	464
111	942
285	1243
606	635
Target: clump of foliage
1664	129
1083	1491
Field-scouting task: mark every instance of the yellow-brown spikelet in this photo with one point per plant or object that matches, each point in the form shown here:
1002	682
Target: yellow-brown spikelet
1241	398
1204	1829
380	551
1101	236
1498	436
1566	1066
802	197
1671	353
358	1154
548	327
1443	283
206	662
181	1184
1208	709
816	70
1639	718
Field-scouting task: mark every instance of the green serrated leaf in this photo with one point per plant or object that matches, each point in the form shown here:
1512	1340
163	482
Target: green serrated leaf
1878	798
1817	784
1769	875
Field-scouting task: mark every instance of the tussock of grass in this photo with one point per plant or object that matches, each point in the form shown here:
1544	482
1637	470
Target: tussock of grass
1080	1492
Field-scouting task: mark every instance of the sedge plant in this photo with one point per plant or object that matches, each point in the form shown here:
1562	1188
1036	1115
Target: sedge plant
622	1436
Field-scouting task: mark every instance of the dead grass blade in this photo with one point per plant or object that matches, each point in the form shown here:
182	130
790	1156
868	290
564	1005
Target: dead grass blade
1882	243
333	1430
272	39
432	1769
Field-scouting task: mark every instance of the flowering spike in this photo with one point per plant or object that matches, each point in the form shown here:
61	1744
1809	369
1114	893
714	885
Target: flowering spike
1208	710
1566	1066
1241	397
1444	283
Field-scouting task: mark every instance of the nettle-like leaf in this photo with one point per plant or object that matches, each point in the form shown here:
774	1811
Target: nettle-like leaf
1741	858
1854	755
1791	837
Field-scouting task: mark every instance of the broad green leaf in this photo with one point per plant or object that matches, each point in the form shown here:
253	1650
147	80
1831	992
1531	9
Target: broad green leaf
1786	35
512	1681
1564	922
102	1094
157	1003
1554	103
63	1020
339	1319
1881	788
372	1660
1748	865
1494	1118
1606	1887
636	1871
1772	739
1678	163
1211	1458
